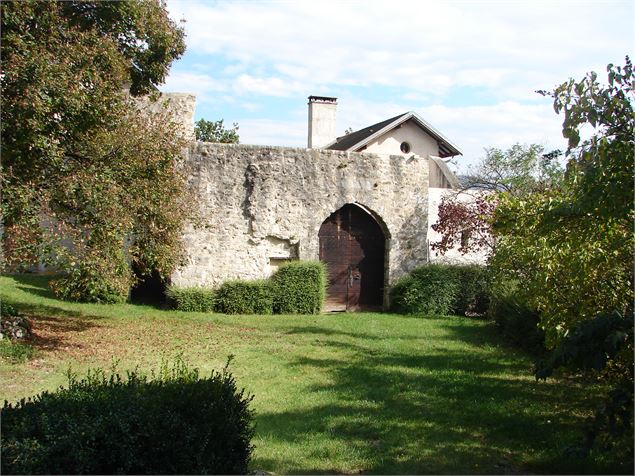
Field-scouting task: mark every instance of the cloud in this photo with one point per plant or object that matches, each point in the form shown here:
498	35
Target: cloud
200	84
276	133
431	47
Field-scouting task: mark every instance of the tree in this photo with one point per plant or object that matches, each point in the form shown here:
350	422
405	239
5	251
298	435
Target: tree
465	216
85	174
572	247
214	131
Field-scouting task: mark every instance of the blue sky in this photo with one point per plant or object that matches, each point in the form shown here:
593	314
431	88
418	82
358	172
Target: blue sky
470	68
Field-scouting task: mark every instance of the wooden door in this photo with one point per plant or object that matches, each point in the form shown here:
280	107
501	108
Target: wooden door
353	247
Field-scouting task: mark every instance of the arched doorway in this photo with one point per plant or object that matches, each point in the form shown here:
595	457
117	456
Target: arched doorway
353	246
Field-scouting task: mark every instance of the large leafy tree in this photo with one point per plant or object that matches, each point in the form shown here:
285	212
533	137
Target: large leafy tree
572	247
86	177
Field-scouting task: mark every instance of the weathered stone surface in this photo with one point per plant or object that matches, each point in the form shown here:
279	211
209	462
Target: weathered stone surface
262	204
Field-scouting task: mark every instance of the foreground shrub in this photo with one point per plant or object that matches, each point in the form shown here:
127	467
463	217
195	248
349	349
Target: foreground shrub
299	287
194	299
171	423
515	318
245	297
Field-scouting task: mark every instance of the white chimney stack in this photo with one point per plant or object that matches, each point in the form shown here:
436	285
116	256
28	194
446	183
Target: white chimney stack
322	112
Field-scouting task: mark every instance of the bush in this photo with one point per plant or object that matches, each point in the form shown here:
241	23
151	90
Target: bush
473	296
171	423
103	279
193	299
442	289
245	297
299	287
516	320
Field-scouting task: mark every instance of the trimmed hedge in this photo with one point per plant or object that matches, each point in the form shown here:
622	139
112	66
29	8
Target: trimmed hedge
192	299
175	423
245	297
442	289
299	287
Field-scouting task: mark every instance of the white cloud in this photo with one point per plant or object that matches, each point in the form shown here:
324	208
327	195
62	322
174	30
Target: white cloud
270	132
200	84
501	125
418	46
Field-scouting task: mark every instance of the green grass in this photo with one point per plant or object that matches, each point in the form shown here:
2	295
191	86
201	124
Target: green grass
334	393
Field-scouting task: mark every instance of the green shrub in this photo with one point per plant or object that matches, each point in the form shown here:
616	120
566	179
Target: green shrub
516	320
429	289
170	423
245	297
474	289
442	289
299	287
102	279
194	299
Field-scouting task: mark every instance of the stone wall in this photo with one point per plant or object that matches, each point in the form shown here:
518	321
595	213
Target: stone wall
261	205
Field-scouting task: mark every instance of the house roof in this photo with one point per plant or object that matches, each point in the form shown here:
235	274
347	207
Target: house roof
356	140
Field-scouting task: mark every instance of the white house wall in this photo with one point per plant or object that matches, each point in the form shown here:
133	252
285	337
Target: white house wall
421	143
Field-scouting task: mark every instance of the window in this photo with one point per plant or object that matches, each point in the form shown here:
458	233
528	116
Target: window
405	147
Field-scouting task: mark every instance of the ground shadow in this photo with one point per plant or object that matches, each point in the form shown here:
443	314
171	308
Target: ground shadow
429	413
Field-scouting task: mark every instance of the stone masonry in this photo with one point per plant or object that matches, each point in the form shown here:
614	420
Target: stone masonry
259	206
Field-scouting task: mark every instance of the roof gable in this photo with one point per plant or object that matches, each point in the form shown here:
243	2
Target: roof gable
355	140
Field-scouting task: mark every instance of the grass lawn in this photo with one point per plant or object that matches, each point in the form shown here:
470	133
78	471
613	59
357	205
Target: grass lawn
334	393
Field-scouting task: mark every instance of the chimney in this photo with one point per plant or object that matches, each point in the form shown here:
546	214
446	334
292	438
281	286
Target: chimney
321	121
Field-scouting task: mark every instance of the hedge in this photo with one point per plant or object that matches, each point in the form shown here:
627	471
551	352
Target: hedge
194	299
173	423
442	289
299	287
245	297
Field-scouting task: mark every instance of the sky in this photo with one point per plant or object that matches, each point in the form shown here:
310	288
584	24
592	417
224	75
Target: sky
469	68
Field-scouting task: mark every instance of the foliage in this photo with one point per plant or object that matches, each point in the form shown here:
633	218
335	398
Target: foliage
173	422
519	170
465	217
602	344
299	287
87	175
193	299
245	297
473	296
215	131
516	320
442	289
464	223
572	248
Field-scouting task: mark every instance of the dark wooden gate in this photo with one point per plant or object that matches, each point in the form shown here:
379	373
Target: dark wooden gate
353	247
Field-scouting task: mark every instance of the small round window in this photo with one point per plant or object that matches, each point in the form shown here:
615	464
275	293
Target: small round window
405	147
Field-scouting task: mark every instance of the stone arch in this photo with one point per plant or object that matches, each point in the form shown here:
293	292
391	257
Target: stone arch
353	242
